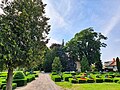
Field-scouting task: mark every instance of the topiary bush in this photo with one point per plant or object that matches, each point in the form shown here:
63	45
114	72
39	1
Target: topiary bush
19	75
118	82
56	78
30	78
116	79
108	80
71	80
14	85
66	77
90	81
20	82
99	80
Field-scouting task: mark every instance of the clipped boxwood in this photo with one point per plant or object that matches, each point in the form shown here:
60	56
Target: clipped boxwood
71	80
20	82
56	78
99	80
118	82
66	77
116	79
14	85
2	84
90	81
30	78
19	75
108	80
82	81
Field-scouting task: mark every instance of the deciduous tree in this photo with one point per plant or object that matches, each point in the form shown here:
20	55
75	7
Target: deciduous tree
23	32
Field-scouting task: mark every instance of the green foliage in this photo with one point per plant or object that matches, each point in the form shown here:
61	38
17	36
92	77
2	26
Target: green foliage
84	64
14	85
56	65
66	77
99	80
56	50
118	64
20	82
71	80
30	78
19	75
86	43
56	78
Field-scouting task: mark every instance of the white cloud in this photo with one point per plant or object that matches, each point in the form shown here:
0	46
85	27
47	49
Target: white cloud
56	19
51	41
112	23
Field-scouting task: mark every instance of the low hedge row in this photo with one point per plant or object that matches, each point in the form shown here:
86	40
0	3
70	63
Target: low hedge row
56	78
20	82
73	80
66	77
14	85
30	78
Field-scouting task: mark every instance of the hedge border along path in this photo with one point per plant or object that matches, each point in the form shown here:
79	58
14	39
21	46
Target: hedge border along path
43	82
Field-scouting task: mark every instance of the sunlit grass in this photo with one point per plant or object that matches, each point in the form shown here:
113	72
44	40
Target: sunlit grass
90	86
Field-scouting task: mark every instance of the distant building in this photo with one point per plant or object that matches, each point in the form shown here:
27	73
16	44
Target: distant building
110	65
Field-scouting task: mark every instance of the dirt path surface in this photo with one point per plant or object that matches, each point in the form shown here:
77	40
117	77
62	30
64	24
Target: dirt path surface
43	82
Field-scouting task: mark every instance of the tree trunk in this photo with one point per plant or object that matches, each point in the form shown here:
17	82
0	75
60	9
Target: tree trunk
9	79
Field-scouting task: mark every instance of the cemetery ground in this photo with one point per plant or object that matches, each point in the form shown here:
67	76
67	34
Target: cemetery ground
64	81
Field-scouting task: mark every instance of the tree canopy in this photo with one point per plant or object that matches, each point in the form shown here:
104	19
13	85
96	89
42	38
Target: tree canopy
23	34
86	43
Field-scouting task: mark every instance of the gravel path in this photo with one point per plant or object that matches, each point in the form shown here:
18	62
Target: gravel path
43	82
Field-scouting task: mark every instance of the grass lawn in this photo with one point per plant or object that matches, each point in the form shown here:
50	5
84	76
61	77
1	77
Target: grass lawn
92	86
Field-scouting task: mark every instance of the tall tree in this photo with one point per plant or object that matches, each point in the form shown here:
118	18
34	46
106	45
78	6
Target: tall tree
56	65
23	32
118	64
84	64
88	43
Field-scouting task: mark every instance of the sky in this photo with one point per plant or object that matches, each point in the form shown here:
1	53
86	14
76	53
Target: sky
68	17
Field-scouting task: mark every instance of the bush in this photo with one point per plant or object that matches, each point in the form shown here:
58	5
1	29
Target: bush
116	79
56	78
90	81
73	80
66	77
73	73
19	75
99	80
20	82
2	84
54	73
82	80
14	85
30	78
118	82
108	80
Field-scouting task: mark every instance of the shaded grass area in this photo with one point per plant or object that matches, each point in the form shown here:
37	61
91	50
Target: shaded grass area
92	86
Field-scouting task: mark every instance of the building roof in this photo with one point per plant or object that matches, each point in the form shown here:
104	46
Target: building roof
110	63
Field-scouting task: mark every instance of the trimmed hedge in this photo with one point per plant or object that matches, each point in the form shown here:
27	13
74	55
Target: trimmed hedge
73	80
56	78
116	79
99	80
66	77
90	80
108	80
82	80
30	78
19	75
20	82
14	85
